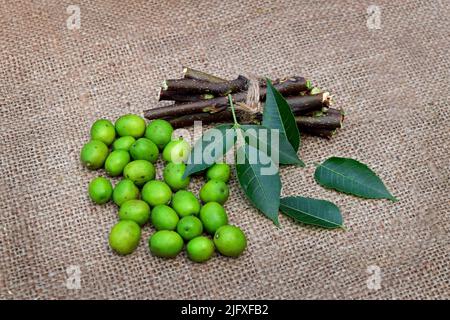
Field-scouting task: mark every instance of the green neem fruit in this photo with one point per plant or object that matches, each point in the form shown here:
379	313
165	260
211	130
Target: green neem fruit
219	171
156	192
93	154
176	151
123	143
200	249
165	244
160	132
100	190
116	161
189	227
125	190
214	191
144	149
130	125
124	237
213	216
135	210
104	131
230	241
173	176
139	171
185	203
164	218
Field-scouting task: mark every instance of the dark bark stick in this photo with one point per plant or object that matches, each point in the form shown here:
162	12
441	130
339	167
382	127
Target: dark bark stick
288	87
300	105
165	95
305	104
191	86
323	126
323	133
331	120
189	73
205	118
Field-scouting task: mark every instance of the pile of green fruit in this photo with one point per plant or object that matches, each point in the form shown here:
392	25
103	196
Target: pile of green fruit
177	214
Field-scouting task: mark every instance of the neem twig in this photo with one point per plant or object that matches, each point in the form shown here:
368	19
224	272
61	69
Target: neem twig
300	105
191	86
331	120
189	73
176	96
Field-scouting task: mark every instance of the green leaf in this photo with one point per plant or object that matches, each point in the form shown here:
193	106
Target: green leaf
286	154
278	115
353	177
220	138
263	190
317	212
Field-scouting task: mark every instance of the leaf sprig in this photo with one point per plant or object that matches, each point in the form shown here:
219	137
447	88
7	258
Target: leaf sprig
260	180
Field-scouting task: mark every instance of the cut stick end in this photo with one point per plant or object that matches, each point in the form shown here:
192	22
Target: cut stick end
159	94
327	99
164	85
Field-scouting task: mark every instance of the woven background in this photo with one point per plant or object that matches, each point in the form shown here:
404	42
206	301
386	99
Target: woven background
392	82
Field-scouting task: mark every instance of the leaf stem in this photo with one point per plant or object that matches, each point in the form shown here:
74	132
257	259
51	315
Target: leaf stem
230	100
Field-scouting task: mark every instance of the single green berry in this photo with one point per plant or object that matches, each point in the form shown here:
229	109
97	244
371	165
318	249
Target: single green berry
200	249
165	244
104	131
213	216
156	192
214	191
189	227
139	171
100	190
130	125
124	143
93	154
125	190
230	241
160	132
116	162
173	176
124	237
176	151
135	210
144	149
185	203
219	171
164	217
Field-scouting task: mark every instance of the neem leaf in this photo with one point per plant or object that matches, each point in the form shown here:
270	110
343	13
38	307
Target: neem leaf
263	190
214	143
353	177
278	115
286	154
317	212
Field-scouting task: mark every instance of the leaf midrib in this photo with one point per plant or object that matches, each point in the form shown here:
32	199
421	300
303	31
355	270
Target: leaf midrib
254	174
355	181
267	145
279	113
309	215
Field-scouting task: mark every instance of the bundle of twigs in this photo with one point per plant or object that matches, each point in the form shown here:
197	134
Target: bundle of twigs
200	96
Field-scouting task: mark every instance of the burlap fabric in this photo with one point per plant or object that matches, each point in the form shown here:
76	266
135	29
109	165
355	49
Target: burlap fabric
393	83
